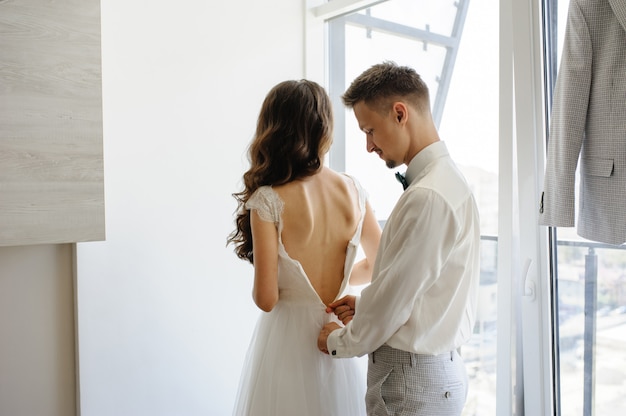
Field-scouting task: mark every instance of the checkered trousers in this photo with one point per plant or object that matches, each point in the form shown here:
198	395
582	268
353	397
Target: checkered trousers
402	383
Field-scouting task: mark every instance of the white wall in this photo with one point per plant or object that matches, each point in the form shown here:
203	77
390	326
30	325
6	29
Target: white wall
164	308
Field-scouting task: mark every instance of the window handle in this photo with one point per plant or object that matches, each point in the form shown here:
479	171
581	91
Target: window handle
529	282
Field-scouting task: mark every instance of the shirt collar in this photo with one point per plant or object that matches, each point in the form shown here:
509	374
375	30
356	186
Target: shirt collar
423	158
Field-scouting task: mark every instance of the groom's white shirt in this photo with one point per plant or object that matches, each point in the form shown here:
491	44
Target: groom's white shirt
424	288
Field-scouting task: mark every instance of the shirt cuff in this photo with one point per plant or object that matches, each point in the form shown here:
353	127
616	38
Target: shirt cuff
332	343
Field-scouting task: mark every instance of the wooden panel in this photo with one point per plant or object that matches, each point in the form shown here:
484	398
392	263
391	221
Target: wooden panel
38	374
51	156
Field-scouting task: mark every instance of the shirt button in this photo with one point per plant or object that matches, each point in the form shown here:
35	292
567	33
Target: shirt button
447	395
334	352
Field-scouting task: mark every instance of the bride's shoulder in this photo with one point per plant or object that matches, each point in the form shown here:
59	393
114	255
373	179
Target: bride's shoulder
267	202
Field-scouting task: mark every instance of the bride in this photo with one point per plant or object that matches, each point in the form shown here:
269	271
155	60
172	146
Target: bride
300	224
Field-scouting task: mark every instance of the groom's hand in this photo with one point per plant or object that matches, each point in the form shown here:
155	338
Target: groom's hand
323	337
343	308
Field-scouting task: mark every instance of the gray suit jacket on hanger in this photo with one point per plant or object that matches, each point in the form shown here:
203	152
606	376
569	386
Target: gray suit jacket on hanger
589	119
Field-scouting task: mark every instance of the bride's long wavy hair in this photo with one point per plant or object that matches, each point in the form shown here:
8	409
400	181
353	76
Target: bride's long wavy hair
293	134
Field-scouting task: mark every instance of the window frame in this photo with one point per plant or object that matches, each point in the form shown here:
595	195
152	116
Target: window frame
525	339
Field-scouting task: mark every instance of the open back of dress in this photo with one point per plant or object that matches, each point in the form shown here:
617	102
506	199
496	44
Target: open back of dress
284	374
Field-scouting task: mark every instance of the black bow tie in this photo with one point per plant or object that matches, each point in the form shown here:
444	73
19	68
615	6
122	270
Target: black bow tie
400	177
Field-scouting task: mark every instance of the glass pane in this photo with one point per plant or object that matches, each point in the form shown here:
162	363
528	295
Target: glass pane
435	16
362	52
462	75
591	303
592	325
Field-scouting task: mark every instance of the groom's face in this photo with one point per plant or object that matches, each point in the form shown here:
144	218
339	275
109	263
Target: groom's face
380	133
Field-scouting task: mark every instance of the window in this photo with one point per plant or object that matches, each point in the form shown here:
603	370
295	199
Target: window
588	294
454	46
554	302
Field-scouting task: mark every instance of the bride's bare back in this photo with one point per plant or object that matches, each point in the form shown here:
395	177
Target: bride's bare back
321	214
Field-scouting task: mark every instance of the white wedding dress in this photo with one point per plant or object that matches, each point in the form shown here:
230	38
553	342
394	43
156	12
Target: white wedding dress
284	374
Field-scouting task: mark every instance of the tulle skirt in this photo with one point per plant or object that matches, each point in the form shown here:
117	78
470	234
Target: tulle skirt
284	374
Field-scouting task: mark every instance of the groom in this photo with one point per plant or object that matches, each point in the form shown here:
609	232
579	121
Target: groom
420	307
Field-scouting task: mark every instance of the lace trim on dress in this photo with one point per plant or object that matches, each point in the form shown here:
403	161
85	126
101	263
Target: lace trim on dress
267	203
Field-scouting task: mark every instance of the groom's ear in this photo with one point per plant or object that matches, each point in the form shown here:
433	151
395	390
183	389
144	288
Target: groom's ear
400	112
